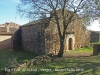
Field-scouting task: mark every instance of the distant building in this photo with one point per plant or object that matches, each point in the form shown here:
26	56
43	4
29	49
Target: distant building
6	32
95	36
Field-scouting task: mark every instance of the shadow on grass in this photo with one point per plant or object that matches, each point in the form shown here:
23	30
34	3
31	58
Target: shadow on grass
66	66
89	68
7	55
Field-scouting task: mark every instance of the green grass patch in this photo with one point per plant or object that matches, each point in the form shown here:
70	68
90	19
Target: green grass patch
84	49
81	50
95	43
7	56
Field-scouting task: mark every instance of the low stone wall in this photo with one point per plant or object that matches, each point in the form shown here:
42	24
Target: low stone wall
94	37
96	48
5	41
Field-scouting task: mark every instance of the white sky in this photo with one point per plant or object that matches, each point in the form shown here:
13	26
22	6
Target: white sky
95	26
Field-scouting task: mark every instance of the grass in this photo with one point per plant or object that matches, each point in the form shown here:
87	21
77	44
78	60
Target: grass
85	49
67	66
7	56
95	43
59	66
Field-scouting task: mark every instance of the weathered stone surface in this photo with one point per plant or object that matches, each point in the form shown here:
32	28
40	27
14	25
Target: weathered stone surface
33	39
77	36
5	41
95	36
8	28
96	48
17	40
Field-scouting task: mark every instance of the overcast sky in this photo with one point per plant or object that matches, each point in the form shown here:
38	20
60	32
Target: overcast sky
95	26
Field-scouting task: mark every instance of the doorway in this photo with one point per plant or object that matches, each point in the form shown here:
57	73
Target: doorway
70	42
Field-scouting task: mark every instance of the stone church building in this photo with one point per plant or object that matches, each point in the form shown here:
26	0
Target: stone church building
41	36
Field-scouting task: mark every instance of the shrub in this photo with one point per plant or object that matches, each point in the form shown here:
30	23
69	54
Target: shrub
25	61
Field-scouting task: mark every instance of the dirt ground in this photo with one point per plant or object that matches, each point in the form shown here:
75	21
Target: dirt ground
81	54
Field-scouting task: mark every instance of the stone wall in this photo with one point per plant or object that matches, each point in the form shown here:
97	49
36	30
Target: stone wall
78	34
96	49
95	36
17	40
9	27
2	29
85	37
33	39
77	27
5	41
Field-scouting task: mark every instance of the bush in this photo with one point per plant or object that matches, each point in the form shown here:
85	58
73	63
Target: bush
25	61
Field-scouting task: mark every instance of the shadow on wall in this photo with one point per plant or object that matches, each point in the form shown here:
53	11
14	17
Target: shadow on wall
5	44
16	40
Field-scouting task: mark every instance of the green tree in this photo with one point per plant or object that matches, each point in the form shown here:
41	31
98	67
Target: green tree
37	9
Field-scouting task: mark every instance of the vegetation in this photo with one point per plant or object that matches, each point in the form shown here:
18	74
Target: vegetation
85	49
25	61
8	57
58	66
66	66
95	42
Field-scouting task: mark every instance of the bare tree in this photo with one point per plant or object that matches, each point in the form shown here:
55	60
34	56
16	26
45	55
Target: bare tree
91	10
36	9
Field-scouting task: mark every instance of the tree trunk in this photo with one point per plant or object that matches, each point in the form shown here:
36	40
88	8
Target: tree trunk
60	54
